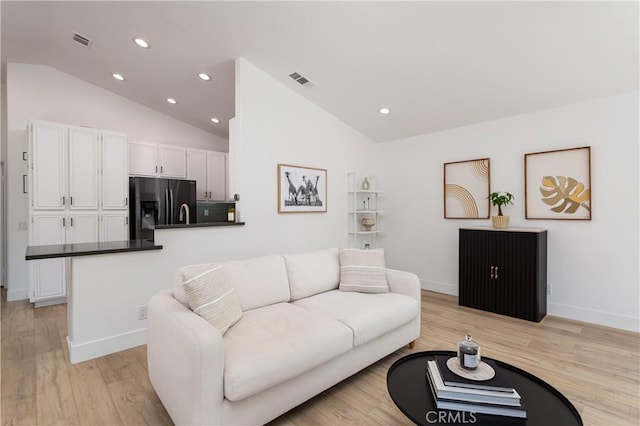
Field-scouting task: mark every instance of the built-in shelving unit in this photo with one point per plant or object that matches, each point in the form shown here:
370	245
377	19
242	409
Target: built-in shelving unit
364	203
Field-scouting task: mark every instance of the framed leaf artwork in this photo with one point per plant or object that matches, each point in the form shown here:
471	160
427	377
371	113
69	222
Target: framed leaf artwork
557	184
466	189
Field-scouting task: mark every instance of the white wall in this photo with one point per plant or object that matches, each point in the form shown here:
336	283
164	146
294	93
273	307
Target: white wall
273	125
592	265
276	125
44	93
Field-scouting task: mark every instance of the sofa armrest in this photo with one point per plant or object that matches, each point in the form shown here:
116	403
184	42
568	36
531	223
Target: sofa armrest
186	361
403	282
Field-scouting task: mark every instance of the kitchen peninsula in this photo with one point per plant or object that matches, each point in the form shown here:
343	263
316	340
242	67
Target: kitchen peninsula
110	283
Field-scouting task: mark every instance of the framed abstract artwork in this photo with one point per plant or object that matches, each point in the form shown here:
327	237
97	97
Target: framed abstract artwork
558	184
466	188
301	189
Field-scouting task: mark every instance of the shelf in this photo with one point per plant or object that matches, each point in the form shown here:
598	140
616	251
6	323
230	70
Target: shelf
370	191
366	232
366	211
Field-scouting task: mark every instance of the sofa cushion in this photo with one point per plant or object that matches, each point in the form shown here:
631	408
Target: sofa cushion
210	296
313	273
184	274
368	315
363	271
275	343
258	281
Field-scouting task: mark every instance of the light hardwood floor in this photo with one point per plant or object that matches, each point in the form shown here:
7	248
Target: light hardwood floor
597	368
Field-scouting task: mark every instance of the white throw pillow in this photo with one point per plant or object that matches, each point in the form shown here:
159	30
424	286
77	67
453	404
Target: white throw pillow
313	273
183	275
363	271
211	296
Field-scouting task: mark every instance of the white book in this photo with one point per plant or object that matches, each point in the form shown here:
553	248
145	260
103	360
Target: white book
470	395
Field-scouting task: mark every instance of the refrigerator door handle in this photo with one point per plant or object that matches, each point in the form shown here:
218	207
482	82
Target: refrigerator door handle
166	206
171	198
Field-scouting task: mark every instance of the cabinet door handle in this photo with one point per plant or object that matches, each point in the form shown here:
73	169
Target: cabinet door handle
495	275
71	221
161	169
24	184
126	201
156	169
491	273
71	202
63	222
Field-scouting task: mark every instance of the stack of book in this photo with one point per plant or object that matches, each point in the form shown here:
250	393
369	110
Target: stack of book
452	392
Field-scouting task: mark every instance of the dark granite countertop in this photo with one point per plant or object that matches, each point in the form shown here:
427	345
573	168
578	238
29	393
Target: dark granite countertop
86	249
199	225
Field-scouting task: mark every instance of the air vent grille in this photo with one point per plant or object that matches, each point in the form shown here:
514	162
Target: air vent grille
82	40
303	81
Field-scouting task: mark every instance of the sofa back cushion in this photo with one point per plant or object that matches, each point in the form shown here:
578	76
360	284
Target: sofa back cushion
259	281
313	273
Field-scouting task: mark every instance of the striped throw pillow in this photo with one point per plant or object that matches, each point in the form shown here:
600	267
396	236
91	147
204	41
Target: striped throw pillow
212	297
363	271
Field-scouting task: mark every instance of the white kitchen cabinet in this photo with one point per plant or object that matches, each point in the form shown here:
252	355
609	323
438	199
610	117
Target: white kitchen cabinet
47	150
173	162
47	277
81	228
209	170
115	171
143	159
75	174
152	160
114	226
83	169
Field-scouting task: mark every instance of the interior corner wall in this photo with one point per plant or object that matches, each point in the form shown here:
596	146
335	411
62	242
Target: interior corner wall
44	93
592	265
276	125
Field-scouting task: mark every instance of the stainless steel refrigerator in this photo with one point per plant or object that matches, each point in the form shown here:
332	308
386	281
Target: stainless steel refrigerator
158	201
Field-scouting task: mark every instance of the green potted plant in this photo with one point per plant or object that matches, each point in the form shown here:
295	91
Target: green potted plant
500	199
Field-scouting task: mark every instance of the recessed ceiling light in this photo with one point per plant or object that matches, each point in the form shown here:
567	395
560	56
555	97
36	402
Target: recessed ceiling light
204	76
384	110
118	76
172	101
215	120
140	42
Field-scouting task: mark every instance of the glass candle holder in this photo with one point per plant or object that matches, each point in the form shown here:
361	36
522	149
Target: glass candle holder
468	353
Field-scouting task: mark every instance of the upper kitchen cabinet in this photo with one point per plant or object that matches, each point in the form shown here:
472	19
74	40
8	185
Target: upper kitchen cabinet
64	166
115	181
152	160
209	170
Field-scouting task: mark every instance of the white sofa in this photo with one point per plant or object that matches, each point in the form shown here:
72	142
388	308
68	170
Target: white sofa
298	335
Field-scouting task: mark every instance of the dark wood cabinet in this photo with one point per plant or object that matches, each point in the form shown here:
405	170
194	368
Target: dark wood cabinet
504	271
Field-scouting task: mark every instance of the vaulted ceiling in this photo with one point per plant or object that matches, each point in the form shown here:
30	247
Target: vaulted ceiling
436	65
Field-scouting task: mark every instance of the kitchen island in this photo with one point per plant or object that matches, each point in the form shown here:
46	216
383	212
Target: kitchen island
109	284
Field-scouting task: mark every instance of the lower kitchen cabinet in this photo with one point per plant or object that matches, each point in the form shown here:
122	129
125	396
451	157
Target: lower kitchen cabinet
504	271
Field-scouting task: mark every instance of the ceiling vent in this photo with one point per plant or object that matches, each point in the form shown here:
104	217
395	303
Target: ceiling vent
303	81
82	40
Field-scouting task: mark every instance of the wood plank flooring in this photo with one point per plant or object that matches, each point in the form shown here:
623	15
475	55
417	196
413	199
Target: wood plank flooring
597	368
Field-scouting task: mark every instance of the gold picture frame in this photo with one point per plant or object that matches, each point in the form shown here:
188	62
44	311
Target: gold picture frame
557	184
301	189
467	188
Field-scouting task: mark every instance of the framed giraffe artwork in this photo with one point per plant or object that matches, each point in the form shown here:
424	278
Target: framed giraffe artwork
466	189
301	189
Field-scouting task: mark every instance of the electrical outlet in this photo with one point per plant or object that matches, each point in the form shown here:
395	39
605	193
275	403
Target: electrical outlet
549	289
206	212
142	312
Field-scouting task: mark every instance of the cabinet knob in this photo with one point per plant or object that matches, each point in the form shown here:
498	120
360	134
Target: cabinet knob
495	274
491	273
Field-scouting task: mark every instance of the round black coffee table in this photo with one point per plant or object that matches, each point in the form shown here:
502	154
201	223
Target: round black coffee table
409	389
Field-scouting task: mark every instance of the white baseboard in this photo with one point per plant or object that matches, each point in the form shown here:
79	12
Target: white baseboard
108	345
17	294
608	319
439	287
624	322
